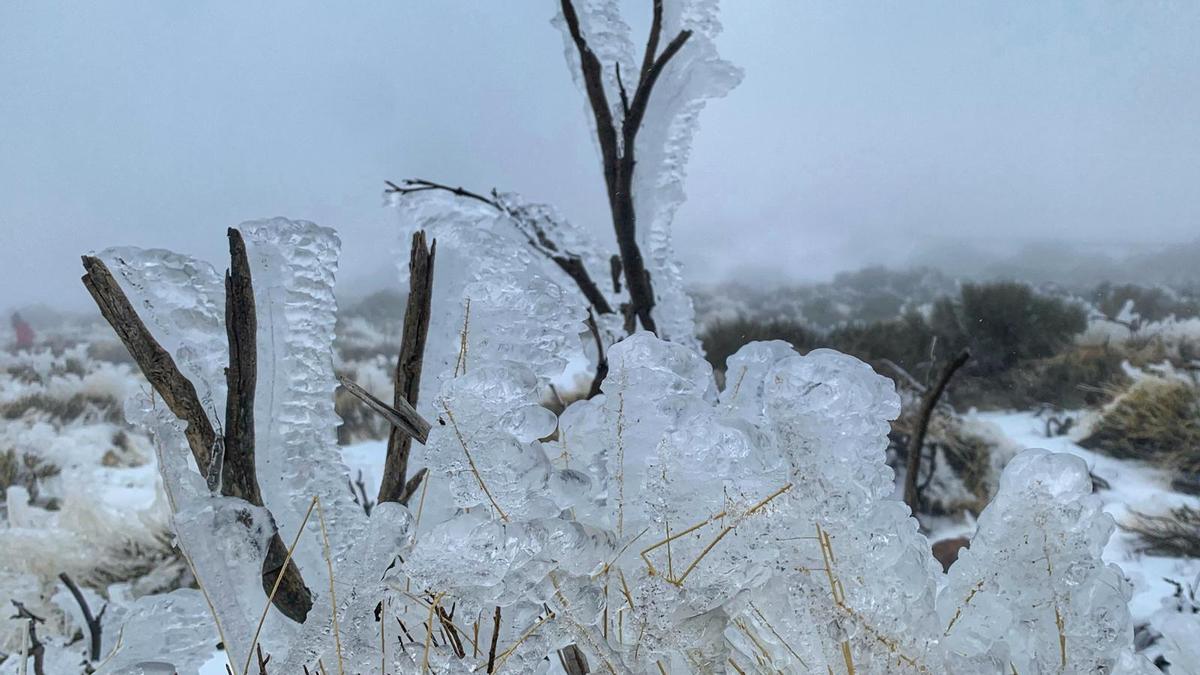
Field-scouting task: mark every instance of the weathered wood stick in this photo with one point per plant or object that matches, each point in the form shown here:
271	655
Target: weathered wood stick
404	418
394	486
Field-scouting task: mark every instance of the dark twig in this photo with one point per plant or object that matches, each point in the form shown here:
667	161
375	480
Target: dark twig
238	474
410	487
928	403
491	666
450	632
621	88
36	649
652	41
262	660
93	622
404	417
411	185
358	492
601	357
407	378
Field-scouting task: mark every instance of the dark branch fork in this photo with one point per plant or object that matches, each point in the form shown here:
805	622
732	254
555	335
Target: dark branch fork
619	159
235	473
36	648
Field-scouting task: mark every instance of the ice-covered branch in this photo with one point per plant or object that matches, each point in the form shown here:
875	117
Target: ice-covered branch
235	453
155	362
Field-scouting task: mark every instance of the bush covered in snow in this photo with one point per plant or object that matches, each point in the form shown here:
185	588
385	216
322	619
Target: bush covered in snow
662	525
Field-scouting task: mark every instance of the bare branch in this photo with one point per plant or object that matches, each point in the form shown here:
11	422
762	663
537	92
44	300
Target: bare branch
93	622
405	418
928	403
620	157
407	380
235	469
156	364
412	185
569	262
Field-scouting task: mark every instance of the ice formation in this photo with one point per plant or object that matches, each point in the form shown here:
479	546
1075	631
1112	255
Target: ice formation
664	140
668	526
661	526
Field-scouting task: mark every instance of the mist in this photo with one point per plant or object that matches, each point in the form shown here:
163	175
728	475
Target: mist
896	134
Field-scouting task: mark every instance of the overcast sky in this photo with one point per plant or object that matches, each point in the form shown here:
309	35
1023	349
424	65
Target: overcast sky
861	130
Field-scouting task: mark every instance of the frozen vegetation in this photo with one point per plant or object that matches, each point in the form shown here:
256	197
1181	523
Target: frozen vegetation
662	525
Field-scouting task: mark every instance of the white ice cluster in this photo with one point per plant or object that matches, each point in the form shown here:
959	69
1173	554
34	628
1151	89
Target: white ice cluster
659	526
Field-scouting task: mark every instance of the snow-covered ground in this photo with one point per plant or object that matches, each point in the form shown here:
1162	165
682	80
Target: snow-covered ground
1135	488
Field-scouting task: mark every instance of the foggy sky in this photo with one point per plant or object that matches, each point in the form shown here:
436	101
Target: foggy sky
862	131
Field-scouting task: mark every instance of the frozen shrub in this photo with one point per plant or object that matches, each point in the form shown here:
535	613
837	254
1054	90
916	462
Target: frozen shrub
669	526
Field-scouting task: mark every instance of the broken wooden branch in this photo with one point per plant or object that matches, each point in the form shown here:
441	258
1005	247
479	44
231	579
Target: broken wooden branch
407	379
93	623
573	660
155	363
912	495
404	418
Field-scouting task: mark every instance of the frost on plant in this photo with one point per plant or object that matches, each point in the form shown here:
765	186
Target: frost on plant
668	120
660	526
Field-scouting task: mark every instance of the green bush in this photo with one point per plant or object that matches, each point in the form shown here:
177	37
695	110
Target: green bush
1004	323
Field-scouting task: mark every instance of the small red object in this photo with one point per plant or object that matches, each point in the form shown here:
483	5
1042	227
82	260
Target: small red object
23	330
